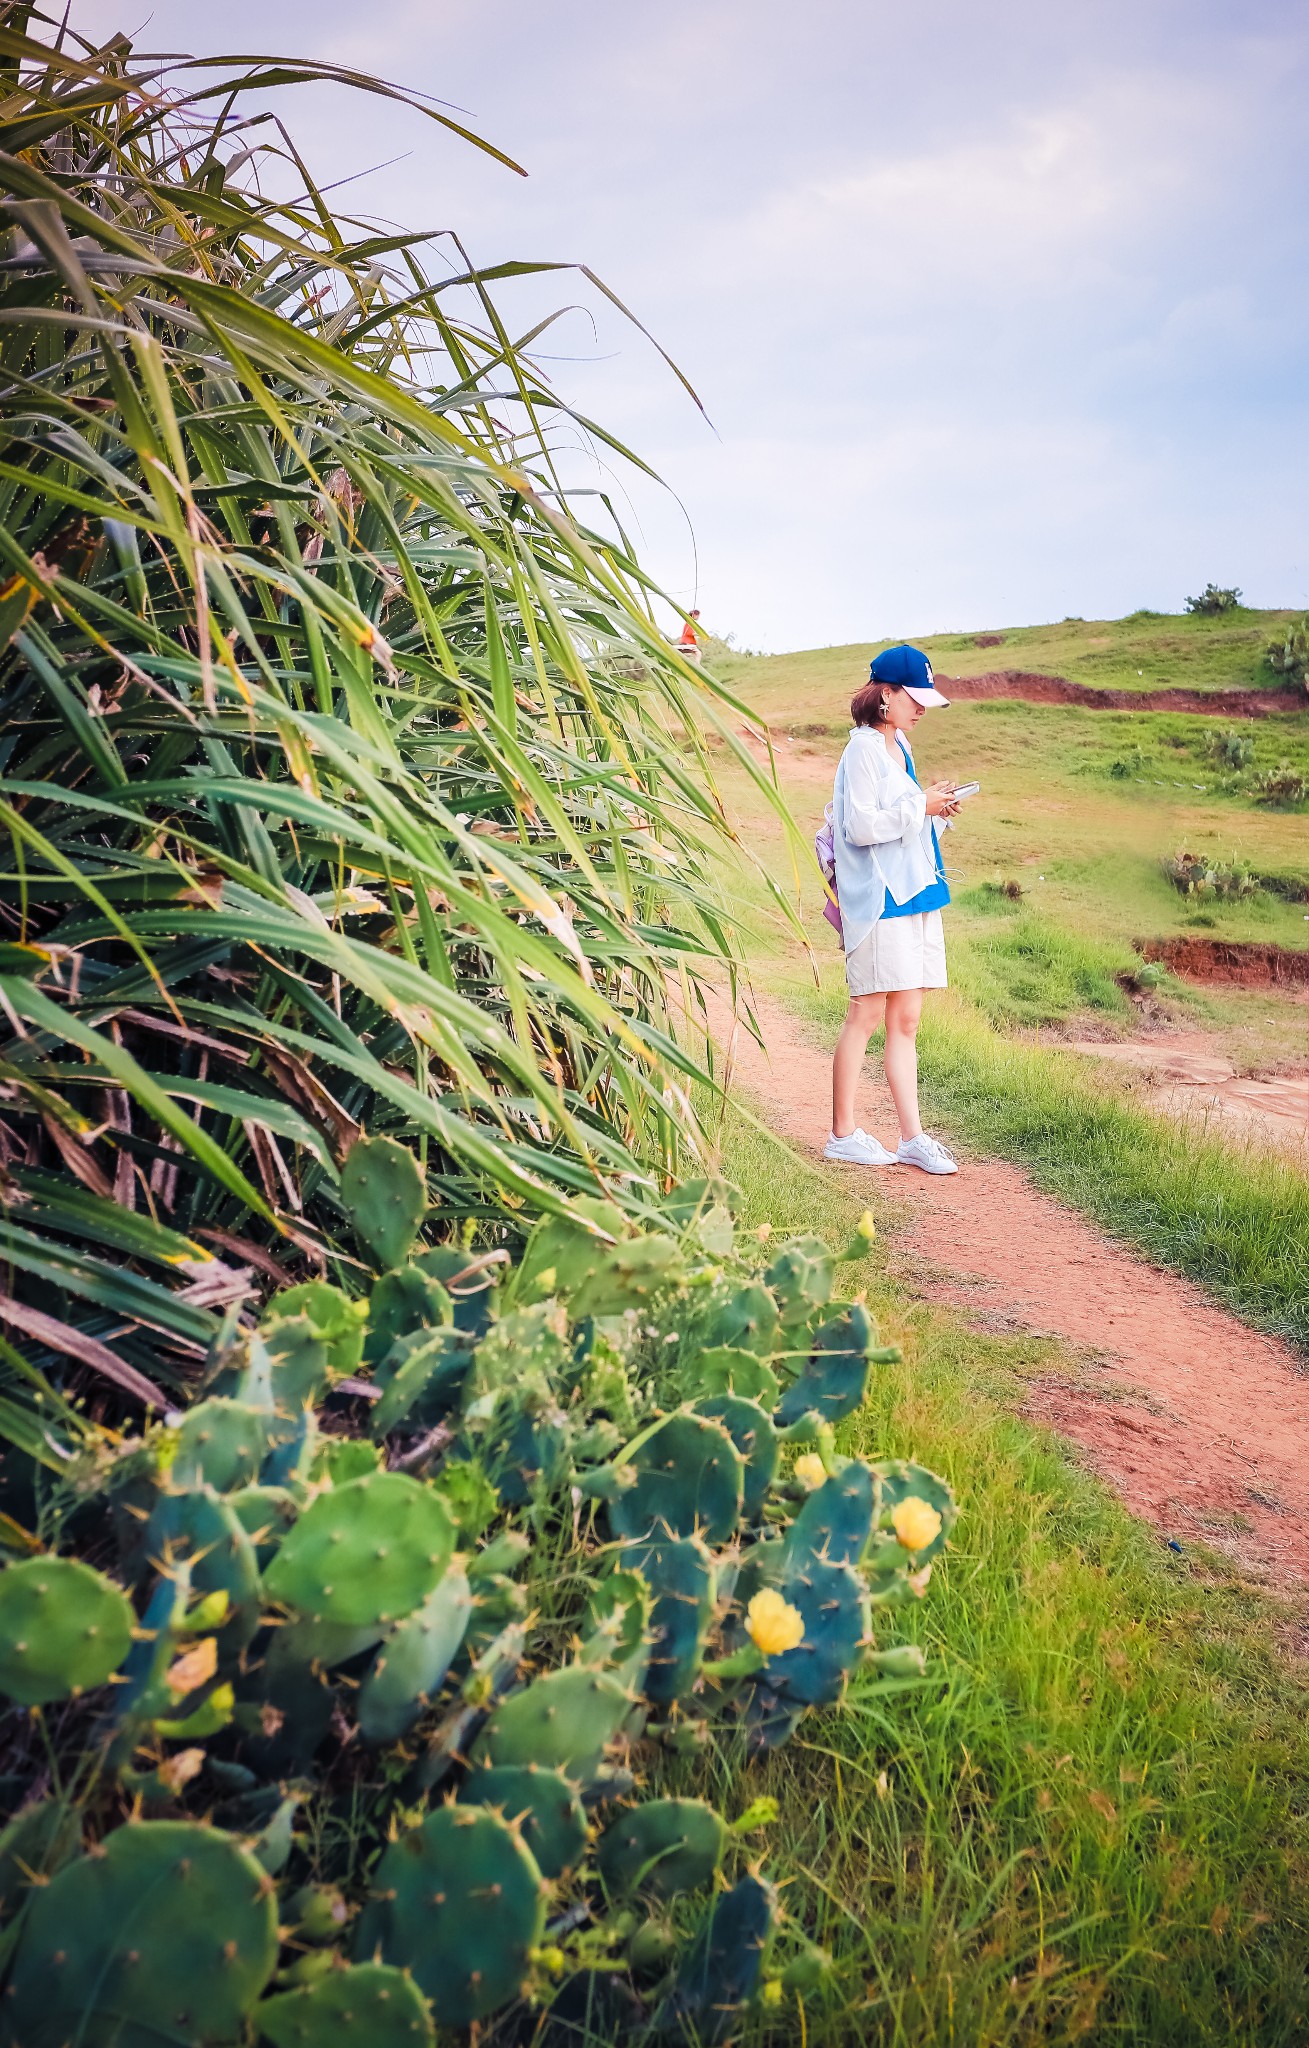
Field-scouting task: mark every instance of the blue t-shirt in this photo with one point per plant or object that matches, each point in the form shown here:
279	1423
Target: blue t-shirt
937	892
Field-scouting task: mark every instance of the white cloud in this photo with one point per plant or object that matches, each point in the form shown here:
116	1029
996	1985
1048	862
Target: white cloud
999	312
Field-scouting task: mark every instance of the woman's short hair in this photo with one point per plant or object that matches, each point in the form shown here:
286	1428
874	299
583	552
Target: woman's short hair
866	704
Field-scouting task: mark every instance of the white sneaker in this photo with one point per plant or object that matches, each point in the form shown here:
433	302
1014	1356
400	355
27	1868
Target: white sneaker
858	1150
929	1153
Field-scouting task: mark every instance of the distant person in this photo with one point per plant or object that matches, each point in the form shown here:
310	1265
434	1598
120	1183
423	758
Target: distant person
689	644
890	887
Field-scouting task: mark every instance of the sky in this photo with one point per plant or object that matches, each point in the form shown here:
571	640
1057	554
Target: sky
998	311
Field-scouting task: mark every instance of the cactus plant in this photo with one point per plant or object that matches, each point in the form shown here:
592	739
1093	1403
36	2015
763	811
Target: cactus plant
752	1431
339	1323
382	1193
367	2005
628	1276
689	1480
543	1804
664	1847
63	1627
266	1514
900	1481
833	1602
36	1843
199	1529
411	1665
564	1720
370	1551
167	1927
298	1361
746	1321
422	1381
316	1914
722	1968
407	1303
832	1382
367	1622
679	1571
620	1622
728	1370
460	1903
800	1278
835	1520
563	1253
220	1443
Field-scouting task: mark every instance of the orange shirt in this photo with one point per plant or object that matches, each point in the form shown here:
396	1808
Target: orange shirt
688	638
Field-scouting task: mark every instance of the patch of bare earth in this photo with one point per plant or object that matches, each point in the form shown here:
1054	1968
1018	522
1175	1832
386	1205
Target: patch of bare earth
1183	1075
1201	1424
1030	687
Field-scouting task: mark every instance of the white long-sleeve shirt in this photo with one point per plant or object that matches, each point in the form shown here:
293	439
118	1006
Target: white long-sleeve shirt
881	832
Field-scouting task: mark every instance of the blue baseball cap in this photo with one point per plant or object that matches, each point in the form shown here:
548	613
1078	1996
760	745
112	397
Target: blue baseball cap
906	668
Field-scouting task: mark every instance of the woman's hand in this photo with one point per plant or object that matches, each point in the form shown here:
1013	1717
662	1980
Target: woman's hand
941	800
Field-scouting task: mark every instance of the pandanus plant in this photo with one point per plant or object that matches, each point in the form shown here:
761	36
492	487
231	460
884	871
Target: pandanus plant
347	783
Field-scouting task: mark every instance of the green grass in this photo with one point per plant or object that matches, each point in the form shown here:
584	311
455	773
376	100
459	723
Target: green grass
1145	651
1089	1823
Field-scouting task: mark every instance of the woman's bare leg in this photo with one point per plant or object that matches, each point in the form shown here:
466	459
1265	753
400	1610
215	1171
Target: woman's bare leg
904	1006
861	1020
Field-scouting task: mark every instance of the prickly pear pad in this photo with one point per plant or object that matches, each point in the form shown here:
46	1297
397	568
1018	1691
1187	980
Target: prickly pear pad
367	2006
833	1599
721	1969
664	1847
564	1720
679	1571
411	1664
460	1903
833	1380
63	1627
368	1551
755	1438
901	1481
689	1481
383	1194
168	1933
545	1806
220	1444
836	1519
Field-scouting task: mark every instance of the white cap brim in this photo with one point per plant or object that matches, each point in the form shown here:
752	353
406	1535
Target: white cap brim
927	698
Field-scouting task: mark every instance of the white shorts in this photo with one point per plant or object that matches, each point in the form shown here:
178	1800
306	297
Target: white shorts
899	952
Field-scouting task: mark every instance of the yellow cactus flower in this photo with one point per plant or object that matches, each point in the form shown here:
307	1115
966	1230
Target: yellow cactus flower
772	1991
865	1227
810	1469
772	1624
916	1523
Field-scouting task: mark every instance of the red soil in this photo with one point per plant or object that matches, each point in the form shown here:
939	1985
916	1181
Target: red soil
1244	965
1200	1424
1039	689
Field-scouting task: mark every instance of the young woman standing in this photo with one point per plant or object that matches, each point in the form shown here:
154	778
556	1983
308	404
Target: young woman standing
890	885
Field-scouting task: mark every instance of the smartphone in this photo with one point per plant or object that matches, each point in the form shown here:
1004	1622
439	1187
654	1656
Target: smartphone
968	789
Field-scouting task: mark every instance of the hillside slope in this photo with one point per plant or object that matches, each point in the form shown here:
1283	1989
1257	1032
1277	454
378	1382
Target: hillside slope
1145	651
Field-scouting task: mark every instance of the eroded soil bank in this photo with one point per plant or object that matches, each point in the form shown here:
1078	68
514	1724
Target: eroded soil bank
1236	963
1033	688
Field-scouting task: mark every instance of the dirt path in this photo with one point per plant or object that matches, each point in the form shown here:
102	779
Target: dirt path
1201	1425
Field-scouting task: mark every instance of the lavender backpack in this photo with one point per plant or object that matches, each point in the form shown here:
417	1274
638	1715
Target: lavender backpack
825	854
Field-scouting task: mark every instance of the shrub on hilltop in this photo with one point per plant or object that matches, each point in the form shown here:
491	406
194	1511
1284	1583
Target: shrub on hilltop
1213	600
1288	654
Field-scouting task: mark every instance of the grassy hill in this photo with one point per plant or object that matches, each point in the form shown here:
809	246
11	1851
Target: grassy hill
1145	651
